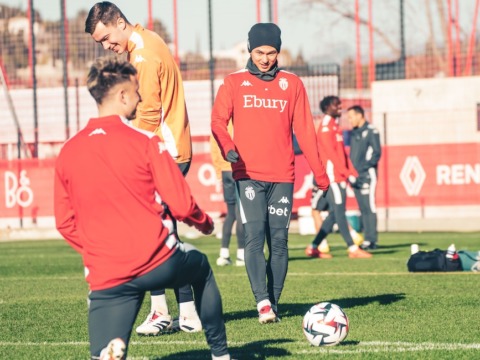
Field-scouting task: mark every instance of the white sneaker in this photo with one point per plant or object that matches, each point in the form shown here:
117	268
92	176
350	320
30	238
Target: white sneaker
221	261
114	350
155	324
240	262
190	325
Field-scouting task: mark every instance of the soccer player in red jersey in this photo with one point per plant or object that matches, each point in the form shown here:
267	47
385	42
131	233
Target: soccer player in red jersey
111	181
332	151
266	106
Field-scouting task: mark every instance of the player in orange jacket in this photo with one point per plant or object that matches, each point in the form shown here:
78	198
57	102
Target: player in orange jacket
162	111
111	183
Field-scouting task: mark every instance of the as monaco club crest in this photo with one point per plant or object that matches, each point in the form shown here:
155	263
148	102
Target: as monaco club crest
283	83
249	193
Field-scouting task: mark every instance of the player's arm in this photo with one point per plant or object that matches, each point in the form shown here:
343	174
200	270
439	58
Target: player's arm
173	188
64	214
149	110
305	133
221	114
374	140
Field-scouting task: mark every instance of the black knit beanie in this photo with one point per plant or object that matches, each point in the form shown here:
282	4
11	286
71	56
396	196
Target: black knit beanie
262	34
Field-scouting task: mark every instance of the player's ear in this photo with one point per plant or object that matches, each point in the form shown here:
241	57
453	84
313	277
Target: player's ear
121	24
122	96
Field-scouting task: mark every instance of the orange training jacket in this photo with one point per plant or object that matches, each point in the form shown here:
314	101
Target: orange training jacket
162	109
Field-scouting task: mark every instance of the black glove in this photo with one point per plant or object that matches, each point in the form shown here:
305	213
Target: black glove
232	156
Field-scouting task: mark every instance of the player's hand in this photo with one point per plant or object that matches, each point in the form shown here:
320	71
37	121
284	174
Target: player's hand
323	183
207	227
352	179
232	156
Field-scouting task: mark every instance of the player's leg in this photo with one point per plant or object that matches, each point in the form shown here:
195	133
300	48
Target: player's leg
112	313
313	250
191	267
228	185
158	320
339	196
188	316
253	209
240	238
367	202
280	200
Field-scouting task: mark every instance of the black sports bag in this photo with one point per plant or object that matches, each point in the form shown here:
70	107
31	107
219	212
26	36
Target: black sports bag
435	260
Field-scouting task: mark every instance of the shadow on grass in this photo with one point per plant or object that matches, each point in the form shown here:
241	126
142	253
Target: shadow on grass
299	309
382	249
257	350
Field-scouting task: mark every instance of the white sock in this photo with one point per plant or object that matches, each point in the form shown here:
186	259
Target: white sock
187	309
263	303
353	232
241	254
223	357
353	248
224	253
159	304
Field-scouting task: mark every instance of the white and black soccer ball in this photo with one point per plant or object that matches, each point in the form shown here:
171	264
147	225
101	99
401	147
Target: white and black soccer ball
325	324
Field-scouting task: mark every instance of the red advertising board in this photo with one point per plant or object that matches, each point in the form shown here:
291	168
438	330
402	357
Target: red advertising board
422	175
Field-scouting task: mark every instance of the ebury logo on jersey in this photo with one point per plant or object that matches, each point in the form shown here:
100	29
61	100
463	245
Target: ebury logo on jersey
283	83
252	101
249	193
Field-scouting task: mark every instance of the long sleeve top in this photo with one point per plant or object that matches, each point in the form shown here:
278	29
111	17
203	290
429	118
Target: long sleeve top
265	114
332	150
365	148
110	181
162	109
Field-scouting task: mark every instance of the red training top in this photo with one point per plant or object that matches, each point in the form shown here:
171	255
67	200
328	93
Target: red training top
263	114
332	150
110	180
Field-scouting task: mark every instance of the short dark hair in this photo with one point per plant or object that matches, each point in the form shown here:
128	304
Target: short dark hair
358	109
327	101
105	73
104	12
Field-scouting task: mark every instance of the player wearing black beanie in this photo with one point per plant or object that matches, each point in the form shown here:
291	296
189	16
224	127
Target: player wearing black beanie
264	34
266	106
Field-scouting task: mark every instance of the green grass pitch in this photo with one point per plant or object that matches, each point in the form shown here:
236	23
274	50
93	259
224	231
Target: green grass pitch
393	314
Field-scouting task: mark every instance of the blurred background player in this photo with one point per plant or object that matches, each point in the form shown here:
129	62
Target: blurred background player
266	105
106	208
162	111
332	153
319	205
365	152
223	171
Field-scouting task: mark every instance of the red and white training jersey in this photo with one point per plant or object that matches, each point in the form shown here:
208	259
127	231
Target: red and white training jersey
332	150
110	179
263	114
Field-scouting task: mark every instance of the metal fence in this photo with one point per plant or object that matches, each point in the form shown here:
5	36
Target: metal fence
52	54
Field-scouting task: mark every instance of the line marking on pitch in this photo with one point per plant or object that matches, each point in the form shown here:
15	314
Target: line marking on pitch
361	347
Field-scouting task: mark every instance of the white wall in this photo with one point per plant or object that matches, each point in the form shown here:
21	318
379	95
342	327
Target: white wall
427	111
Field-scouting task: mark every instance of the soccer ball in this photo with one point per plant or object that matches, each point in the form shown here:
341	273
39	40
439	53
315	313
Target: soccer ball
325	324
